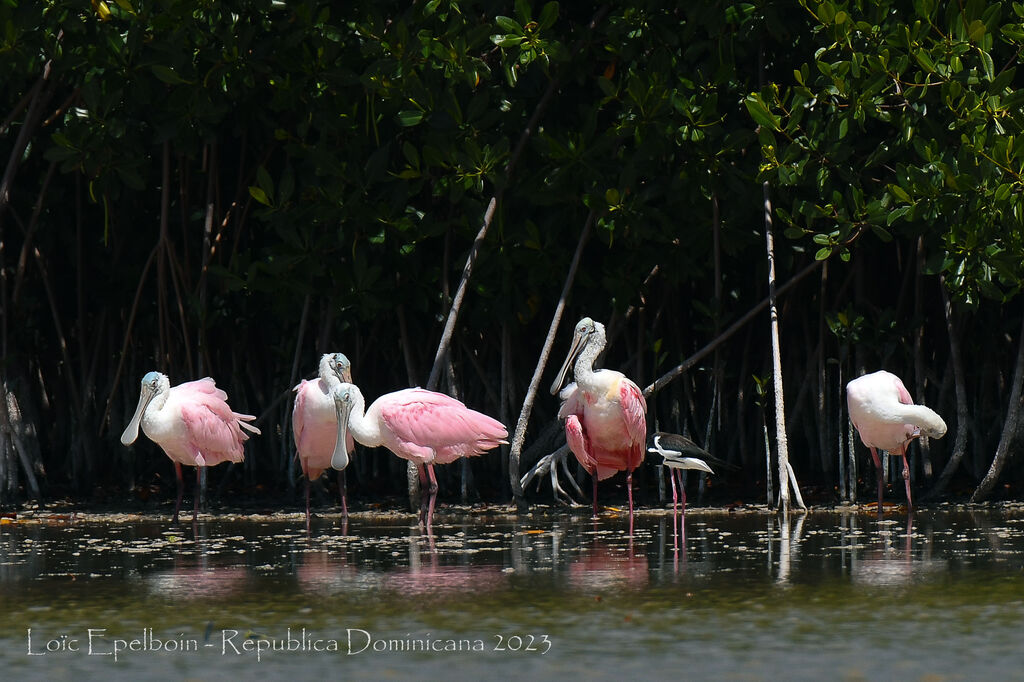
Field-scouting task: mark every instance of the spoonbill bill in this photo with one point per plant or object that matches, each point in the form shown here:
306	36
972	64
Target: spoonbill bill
192	423
417	425
315	424
886	418
604	412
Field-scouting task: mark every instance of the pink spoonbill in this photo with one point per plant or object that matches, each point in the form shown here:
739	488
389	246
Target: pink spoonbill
886	418
192	423
417	425
678	453
315	424
604	412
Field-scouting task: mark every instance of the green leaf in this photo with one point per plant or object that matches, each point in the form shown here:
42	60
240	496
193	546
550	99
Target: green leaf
409	117
976	31
986	63
925	60
264	180
507	41
259	195
411	155
900	193
881	233
896	214
167	74
1013	31
823	253
548	15
760	113
508	24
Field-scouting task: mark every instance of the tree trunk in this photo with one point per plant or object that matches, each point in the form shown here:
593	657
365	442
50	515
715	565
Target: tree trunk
785	471
1013	411
962	415
542	361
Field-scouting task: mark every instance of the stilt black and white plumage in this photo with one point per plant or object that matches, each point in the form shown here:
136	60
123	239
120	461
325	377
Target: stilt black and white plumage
678	453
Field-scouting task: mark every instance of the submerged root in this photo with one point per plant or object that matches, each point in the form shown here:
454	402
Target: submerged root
548	464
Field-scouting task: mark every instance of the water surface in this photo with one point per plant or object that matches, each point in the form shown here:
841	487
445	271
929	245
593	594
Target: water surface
824	595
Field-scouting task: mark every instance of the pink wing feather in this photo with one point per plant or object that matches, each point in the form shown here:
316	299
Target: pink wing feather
215	433
577	441
442	423
904	394
634	409
299	410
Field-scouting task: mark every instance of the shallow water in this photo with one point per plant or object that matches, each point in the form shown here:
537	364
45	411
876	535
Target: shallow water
826	595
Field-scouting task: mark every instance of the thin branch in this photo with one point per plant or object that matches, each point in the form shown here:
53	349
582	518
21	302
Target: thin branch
676	371
531	393
30	232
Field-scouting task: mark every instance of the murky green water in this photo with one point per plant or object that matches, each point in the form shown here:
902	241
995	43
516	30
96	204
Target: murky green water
826	596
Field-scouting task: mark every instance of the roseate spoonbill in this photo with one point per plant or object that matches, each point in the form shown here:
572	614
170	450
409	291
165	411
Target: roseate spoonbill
678	453
886	418
417	425
192	423
315	424
604	412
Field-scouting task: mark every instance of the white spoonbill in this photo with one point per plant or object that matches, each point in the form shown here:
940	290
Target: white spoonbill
417	425
192	423
604	412
886	418
315	424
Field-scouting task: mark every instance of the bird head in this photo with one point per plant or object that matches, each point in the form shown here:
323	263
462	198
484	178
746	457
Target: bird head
336	365
345	398
586	331
153	384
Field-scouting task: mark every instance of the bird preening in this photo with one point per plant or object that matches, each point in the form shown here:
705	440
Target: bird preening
886	418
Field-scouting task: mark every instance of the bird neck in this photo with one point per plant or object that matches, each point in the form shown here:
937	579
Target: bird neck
925	418
327	374
363	429
583	372
152	424
156	403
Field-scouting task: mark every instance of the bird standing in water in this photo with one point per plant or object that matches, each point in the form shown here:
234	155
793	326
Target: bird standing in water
604	412
678	453
886	418
421	426
192	423
315	424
